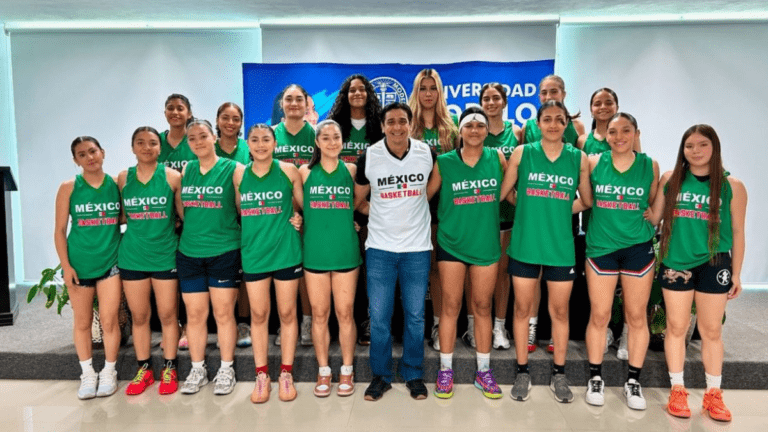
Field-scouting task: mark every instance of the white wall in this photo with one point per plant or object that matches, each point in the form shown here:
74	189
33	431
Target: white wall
673	76
423	44
9	157
105	85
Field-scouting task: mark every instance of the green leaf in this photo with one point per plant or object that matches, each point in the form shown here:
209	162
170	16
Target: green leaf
32	293
51	296
62	301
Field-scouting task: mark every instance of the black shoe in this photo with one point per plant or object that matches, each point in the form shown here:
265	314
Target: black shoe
417	388
377	388
364	335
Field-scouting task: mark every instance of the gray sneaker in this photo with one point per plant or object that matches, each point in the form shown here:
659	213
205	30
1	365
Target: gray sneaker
225	381
559	386
435	338
305	338
197	378
522	387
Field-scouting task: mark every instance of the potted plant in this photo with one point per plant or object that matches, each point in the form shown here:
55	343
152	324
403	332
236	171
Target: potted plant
52	287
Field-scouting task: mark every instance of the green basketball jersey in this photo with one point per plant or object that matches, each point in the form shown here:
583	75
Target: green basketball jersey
533	133
330	239
95	232
269	241
175	158
506	141
688	243
239	154
468	208
355	146
296	149
542	232
620	199
210	216
593	146
149	242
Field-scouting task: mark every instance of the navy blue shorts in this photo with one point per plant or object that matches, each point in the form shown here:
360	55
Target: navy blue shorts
636	260
286	274
549	273
443	255
707	278
220	271
136	275
91	283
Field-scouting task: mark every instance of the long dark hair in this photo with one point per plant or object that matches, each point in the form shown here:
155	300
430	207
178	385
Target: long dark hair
341	112
468	111
316	153
82	139
592	99
716	181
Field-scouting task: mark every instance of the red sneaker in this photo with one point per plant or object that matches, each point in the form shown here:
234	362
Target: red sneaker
714	406
141	382
169	382
678	402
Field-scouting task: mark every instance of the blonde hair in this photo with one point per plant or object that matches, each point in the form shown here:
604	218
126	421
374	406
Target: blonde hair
446	129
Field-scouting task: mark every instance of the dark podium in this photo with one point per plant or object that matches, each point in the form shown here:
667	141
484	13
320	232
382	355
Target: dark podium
9	308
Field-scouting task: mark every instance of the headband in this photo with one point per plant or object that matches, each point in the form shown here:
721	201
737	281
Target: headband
473	117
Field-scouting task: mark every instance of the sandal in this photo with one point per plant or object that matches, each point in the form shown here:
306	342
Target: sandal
323	386
346	385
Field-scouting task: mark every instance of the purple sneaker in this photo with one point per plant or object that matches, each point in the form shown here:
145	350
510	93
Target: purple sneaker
487	383
444	385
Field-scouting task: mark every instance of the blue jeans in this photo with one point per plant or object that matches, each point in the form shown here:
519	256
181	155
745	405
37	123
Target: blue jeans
383	269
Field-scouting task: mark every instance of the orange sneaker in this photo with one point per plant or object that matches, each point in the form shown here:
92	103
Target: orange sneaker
346	385
678	402
323	386
140	382
714	406
169	382
263	387
286	390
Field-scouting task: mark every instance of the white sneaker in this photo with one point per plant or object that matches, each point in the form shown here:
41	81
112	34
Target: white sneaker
469	338
435	338
531	337
634	395
277	338
243	335
596	391
500	338
306	332
197	378
225	381
107	383
608	340
88	382
623	352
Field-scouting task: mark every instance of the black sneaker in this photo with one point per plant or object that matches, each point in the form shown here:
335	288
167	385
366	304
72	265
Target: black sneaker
364	335
417	388
377	388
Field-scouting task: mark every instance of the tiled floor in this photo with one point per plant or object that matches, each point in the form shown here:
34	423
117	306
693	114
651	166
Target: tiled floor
43	406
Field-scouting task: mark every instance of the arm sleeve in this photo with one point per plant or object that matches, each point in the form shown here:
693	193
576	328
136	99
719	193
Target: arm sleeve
360	177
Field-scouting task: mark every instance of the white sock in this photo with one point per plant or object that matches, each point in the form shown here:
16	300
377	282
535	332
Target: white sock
483	361
346	370
109	366
533	320
226	364
436	320
199	364
713	381
499	322
87	366
324	370
446	361
676	378
306	318
470	321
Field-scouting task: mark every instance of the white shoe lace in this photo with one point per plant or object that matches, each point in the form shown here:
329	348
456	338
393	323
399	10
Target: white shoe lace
224	378
195	377
531	334
88	380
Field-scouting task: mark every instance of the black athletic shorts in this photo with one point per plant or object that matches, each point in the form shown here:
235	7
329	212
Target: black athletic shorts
220	271
549	273
286	274
91	283
706	278
636	260
136	275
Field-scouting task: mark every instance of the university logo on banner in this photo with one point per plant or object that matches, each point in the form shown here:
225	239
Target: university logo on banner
263	84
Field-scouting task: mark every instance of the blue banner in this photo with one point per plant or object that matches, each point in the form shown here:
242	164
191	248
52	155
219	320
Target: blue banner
263	83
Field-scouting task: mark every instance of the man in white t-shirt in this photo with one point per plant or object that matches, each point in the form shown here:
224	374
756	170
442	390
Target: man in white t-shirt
395	170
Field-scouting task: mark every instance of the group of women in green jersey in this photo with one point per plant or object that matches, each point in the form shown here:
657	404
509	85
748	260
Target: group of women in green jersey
237	198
